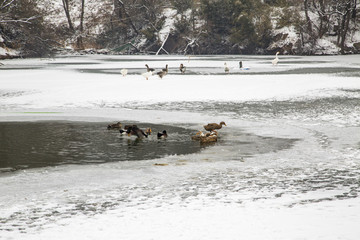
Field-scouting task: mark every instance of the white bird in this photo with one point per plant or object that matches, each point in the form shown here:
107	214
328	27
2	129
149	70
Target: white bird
226	68
147	75
276	59
124	71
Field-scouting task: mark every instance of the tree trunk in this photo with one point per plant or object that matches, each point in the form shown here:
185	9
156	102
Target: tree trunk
79	42
308	21
82	16
122	10
67	13
345	27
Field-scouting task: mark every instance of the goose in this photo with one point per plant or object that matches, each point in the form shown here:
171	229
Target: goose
147	75
114	126
182	68
161	74
276	59
124	72
149	69
165	69
226	68
212	126
162	134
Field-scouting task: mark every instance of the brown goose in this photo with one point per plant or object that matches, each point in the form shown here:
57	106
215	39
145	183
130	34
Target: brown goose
213	126
165	69
163	72
149	69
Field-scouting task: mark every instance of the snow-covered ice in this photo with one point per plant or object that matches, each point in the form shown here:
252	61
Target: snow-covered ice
236	189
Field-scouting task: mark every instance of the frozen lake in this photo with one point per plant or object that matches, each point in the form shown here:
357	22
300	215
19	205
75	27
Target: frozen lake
286	166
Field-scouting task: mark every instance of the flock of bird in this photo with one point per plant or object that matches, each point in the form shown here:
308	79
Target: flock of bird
151	71
133	130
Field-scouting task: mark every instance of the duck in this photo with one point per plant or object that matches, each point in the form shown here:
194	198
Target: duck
212	126
197	136
122	132
182	68
209	138
146	75
135	131
276	59
148	131
226	68
205	137
149	69
114	126
124	72
162	134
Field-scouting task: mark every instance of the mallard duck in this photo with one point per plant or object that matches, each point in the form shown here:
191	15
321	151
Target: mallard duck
148	131
162	134
147	75
135	131
276	59
149	69
182	68
122	132
114	126
212	126
124	72
226	68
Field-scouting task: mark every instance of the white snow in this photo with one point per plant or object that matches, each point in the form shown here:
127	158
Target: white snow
228	199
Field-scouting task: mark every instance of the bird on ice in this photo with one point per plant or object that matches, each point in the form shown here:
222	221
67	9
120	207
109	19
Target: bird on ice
124	72
147	75
182	68
226	68
276	59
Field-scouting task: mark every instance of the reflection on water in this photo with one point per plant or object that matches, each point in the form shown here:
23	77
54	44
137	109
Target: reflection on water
50	143
39	144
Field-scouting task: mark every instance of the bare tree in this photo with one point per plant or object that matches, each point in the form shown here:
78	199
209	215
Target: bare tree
5	16
67	13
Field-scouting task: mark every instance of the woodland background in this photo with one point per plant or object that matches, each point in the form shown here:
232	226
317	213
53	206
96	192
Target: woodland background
36	28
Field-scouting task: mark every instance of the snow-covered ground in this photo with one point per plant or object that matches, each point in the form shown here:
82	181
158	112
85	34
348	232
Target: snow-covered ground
306	189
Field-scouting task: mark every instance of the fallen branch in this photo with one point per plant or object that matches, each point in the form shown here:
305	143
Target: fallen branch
162	46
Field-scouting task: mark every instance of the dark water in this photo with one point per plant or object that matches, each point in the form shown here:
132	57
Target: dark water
50	143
